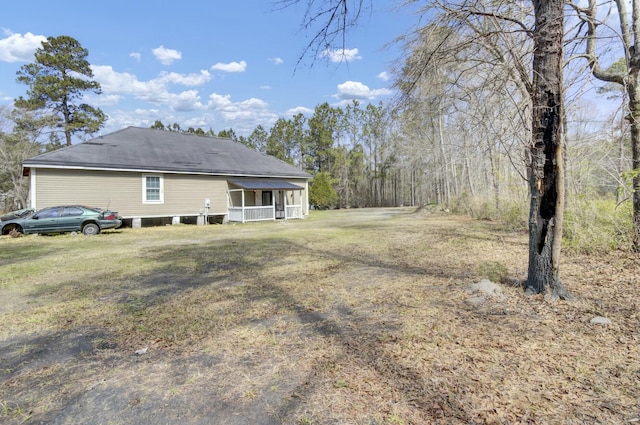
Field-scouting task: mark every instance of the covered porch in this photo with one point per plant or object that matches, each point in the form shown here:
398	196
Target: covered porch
263	199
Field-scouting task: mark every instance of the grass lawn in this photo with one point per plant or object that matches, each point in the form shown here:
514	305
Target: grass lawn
348	317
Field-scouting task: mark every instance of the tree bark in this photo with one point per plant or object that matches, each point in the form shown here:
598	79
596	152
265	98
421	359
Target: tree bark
546	178
636	197
67	120
634	116
633	90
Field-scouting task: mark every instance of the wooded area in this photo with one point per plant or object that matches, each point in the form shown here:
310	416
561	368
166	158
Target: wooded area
493	97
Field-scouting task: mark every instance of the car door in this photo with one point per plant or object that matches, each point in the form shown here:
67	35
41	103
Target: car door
44	221
71	219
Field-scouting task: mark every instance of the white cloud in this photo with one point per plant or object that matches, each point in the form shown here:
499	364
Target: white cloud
158	99
120	82
135	55
224	104
166	56
102	100
265	87
218	101
185	101
254	103
119	119
242	116
230	67
384	76
203	121
276	61
357	90
341	55
299	110
186	80
20	48
154	91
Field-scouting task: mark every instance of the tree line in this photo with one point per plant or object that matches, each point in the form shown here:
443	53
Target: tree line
349	150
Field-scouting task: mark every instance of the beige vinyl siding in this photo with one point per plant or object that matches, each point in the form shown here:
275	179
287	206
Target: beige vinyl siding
187	193
123	192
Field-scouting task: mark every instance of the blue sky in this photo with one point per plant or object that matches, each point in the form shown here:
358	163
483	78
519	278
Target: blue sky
208	64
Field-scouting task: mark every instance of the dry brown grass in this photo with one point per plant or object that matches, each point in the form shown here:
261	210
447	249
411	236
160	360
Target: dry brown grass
349	317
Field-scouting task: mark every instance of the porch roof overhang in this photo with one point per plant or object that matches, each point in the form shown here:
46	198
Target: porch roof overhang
264	184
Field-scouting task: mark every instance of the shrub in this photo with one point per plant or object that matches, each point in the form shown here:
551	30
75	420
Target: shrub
322	194
512	214
593	226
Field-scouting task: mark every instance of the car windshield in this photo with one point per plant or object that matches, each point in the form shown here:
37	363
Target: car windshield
16	214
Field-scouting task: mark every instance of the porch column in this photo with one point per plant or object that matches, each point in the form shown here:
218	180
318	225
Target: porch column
242	205
305	209
284	203
274	196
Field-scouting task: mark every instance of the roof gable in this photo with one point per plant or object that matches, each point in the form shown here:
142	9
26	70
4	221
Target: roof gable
135	148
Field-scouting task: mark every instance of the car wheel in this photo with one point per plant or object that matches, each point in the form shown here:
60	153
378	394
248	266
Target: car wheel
6	230
9	227
90	229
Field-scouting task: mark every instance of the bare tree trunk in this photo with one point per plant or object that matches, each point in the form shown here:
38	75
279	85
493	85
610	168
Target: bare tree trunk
634	116
620	162
466	170
636	197
376	202
444	166
633	90
546	177
413	185
494	170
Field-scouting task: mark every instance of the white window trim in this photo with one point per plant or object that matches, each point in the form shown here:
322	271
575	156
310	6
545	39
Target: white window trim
144	189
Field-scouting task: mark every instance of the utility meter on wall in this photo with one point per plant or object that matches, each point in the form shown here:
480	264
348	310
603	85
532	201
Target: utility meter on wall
207	203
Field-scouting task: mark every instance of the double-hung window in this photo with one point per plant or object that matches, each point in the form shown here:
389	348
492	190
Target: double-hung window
152	189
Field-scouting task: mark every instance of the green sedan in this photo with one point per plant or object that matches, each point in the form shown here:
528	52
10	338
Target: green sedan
67	218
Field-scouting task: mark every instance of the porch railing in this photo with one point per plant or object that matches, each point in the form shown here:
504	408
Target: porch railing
293	211
262	213
251	213
235	214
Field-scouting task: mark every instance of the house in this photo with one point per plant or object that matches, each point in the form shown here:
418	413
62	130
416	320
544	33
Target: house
147	174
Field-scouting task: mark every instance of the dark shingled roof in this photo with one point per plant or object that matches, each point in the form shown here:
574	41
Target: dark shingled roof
145	149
